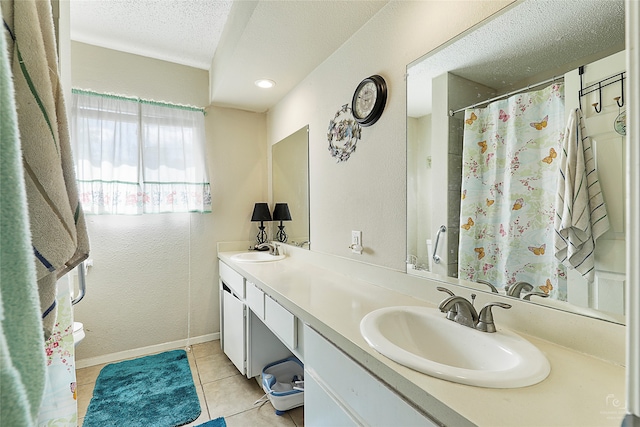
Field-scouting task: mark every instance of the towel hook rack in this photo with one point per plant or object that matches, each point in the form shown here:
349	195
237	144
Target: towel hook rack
581	74
598	86
621	97
595	105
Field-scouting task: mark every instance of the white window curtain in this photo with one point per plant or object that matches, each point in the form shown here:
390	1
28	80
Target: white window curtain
134	156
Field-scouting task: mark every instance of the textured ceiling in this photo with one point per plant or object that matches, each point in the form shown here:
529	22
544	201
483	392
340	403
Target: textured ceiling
528	39
182	31
281	40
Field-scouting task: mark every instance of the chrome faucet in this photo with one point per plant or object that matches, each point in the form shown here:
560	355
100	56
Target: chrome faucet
453	312
516	289
528	295
485	318
484	282
461	311
273	248
466	313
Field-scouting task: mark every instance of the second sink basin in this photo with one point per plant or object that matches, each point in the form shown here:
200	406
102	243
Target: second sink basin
256	256
422	339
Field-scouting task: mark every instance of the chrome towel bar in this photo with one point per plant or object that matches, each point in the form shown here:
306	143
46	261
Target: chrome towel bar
82	284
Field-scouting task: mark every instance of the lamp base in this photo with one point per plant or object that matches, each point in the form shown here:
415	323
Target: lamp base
281	236
261	238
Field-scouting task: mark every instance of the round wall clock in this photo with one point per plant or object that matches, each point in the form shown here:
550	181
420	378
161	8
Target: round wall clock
369	100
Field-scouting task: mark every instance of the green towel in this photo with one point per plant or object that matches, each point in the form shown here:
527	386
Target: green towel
58	230
22	358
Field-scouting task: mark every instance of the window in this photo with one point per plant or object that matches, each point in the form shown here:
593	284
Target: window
134	156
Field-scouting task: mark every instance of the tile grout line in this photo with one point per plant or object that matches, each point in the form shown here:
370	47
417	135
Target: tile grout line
204	398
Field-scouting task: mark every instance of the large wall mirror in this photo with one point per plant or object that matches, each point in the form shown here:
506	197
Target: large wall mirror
290	184
488	112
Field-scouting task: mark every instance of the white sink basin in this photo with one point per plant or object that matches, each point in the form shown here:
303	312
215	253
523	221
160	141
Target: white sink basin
256	256
423	339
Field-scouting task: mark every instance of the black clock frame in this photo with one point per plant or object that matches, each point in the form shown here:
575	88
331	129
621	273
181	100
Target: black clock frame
381	100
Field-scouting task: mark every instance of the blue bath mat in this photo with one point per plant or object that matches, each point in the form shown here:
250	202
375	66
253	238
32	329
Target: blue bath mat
151	391
218	422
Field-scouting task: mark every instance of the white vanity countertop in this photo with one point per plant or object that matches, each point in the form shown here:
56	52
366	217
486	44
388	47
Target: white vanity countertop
581	390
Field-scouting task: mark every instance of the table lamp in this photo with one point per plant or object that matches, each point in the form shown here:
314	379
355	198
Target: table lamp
281	213
261	213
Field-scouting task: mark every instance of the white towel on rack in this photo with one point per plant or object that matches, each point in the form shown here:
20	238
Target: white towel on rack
581	215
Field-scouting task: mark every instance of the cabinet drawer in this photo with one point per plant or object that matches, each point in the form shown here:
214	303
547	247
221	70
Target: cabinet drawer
324	410
255	299
232	279
281	322
360	395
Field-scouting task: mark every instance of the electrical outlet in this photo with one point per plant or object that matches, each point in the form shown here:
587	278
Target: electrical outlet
356	242
356	238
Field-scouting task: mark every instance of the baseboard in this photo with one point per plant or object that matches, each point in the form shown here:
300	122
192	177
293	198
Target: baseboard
143	351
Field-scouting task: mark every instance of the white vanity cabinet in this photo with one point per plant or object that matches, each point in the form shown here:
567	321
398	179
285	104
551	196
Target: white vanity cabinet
338	391
281	322
244	337
232	338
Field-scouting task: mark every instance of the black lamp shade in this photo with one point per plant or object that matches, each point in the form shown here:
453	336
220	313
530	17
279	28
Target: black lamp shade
261	212
281	212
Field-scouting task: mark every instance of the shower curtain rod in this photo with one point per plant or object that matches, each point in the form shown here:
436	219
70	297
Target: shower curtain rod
553	79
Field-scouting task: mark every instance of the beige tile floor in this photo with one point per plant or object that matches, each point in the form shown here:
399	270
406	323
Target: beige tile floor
223	392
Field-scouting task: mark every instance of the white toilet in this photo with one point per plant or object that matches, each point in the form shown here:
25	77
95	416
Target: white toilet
78	333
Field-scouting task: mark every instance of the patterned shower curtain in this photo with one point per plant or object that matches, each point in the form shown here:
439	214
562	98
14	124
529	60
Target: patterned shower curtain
59	406
510	164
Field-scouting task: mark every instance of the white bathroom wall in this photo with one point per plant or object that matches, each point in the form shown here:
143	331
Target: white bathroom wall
368	192
107	70
146	267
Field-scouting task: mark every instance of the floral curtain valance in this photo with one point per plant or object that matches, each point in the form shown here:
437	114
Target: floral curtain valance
134	156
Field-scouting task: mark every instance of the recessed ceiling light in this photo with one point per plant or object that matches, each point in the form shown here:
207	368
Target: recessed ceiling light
265	83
